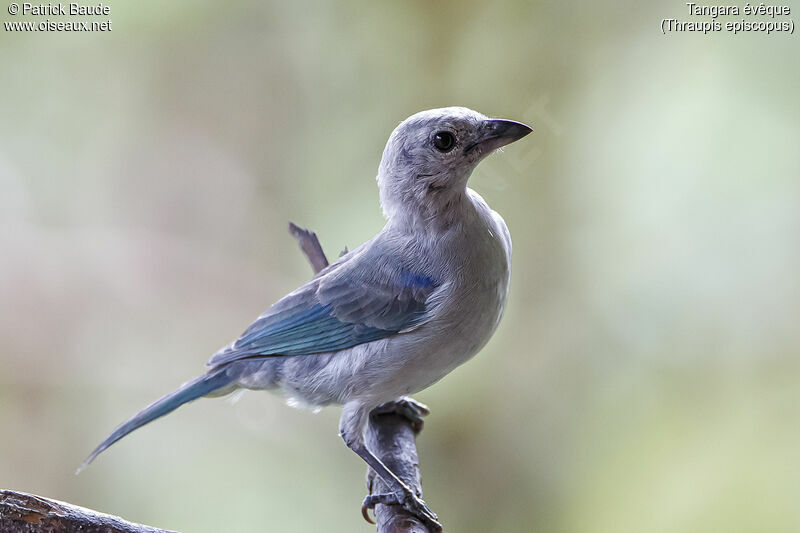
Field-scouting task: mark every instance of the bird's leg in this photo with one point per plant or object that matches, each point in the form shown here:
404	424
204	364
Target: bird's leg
401	493
354	418
406	407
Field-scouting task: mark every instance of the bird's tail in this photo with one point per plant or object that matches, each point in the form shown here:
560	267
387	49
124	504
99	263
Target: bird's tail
214	381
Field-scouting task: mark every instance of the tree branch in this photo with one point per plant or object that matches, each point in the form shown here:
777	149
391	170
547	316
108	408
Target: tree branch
26	513
390	436
310	246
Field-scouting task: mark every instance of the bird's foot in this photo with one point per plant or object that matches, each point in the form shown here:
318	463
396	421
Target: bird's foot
412	503
406	407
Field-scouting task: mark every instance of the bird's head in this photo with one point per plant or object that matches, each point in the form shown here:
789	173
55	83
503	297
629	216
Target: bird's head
430	156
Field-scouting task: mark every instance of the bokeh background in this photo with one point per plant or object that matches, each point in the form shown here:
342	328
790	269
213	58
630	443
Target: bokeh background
645	378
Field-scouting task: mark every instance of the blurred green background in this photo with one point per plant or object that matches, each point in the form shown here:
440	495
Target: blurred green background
645	378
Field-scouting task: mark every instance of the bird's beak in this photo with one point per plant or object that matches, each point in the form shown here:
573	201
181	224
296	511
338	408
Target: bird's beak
498	132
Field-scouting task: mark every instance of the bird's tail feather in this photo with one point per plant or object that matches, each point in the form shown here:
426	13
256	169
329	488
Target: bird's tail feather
214	381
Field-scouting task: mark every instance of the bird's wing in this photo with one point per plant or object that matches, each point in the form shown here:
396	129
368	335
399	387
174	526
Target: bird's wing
369	297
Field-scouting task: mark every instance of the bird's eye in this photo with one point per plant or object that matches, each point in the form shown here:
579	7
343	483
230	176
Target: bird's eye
444	141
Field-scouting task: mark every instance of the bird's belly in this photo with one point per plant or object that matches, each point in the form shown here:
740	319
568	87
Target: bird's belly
456	342
416	360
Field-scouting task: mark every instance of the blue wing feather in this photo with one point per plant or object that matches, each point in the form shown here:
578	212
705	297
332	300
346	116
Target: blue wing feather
360	302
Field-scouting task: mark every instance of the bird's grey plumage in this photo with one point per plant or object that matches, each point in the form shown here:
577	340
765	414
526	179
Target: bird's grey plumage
402	310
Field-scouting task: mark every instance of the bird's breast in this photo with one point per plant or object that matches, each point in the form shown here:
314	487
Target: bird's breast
471	303
482	287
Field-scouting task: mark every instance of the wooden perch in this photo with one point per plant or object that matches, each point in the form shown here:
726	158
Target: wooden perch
26	513
310	246
390	436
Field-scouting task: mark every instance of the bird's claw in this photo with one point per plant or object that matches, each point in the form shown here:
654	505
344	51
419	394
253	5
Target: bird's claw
406	407
415	505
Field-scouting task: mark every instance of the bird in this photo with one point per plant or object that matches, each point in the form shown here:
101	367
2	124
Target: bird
396	314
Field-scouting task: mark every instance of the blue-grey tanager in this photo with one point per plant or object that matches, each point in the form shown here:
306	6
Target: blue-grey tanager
396	314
